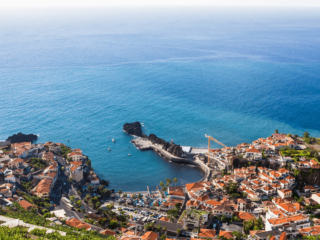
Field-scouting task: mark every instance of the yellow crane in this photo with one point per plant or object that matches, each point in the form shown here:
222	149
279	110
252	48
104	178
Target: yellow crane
212	139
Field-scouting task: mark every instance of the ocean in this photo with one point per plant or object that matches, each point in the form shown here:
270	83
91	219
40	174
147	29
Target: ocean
234	74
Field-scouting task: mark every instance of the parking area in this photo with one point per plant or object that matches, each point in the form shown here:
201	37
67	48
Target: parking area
138	213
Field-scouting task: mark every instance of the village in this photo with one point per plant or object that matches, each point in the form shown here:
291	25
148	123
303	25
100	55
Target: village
260	190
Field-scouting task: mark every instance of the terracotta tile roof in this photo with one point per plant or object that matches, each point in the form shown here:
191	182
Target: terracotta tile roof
283	236
165	219
44	186
253	150
76	163
149	236
197	186
207	233
108	232
292	218
226	234
26	205
78	224
212	202
244	215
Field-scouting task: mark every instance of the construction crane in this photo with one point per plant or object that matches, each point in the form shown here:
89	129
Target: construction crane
212	139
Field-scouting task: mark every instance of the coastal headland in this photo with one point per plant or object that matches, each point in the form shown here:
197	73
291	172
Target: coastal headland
169	151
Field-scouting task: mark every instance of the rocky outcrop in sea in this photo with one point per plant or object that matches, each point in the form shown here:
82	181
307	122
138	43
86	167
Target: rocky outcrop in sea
20	137
135	129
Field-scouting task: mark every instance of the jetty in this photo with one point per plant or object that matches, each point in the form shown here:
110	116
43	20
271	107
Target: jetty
144	144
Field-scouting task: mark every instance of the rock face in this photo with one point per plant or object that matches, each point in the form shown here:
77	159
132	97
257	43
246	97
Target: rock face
172	148
20	137
134	129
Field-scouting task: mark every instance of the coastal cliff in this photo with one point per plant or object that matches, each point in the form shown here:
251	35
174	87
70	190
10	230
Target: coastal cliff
20	137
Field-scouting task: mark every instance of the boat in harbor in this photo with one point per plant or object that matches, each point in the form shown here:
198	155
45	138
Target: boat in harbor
129	154
109	149
113	140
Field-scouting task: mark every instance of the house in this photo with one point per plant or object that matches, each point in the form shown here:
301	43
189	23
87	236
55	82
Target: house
48	156
108	232
279	138
264	235
76	173
245	216
170	203
75	156
284	193
150	236
253	153
7	189
73	222
316	197
11	179
94	180
300	220
227	234
27	206
221	210
207	233
43	188
176	192
54	147
310	231
309	189
15	163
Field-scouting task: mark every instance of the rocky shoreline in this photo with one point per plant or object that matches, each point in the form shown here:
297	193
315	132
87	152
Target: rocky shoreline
20	137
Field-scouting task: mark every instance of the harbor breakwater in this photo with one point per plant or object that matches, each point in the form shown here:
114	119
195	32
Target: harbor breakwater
168	151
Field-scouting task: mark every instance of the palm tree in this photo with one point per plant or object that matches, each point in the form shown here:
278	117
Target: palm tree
169	181
72	198
90	188
161	184
175	180
120	192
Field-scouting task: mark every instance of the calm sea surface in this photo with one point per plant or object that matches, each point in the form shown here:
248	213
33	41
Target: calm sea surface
235	74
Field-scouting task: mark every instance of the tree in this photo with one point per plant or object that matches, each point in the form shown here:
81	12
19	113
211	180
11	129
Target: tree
79	203
124	195
161	184
178	231
276	131
169	181
70	179
90	188
159	228
72	198
165	229
120	192
238	235
178	205
306	135
164	188
175	180
113	224
139	195
163	237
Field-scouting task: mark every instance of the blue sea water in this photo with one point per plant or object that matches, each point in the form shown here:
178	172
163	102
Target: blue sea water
235	74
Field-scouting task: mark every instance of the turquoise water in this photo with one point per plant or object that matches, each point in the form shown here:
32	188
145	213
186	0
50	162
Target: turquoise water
235	75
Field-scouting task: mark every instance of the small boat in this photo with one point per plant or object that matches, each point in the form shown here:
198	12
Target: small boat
108	137
129	154
109	149
113	140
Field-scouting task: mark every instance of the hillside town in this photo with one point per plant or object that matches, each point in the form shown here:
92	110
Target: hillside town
263	190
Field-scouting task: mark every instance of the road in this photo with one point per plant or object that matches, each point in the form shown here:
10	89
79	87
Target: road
63	186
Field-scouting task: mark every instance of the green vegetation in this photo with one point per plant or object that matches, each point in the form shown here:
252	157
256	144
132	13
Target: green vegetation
231	188
64	151
256	224
31	217
37	163
26	185
296	154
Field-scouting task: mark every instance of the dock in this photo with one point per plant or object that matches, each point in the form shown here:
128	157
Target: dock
142	144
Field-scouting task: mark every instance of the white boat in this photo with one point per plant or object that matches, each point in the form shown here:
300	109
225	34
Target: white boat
129	154
109	149
113	140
